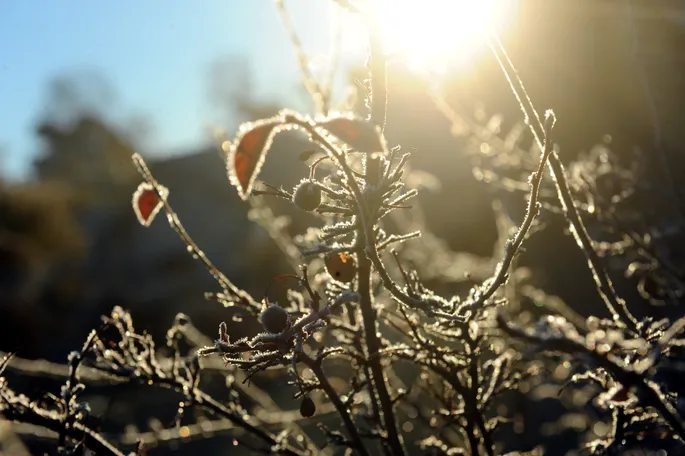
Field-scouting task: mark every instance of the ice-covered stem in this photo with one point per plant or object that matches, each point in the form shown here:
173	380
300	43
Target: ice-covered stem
365	222
373	345
468	391
472	413
315	366
70	389
316	91
379	79
366	245
617	306
647	391
532	211
236	293
78	432
200	399
475	389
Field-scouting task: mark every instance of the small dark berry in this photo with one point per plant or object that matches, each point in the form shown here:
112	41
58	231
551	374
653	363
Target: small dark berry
341	266
307	407
275	319
307	196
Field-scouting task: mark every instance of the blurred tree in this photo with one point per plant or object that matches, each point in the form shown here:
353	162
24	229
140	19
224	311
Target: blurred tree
85	145
48	227
139	129
90	156
81	93
39	238
3	156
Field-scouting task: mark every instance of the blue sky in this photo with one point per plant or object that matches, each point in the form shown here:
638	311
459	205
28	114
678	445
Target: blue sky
155	54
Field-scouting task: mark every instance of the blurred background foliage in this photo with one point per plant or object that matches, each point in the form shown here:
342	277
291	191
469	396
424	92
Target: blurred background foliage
71	249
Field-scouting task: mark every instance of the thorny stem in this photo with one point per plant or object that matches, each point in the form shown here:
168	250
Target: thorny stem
366	306
532	211
614	303
317	369
373	345
379	100
367	226
367	246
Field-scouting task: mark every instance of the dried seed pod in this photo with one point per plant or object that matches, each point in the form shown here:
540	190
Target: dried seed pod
275	319
307	196
307	407
341	266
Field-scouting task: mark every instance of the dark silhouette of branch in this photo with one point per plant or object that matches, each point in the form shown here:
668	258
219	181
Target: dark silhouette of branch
315	366
23	412
373	345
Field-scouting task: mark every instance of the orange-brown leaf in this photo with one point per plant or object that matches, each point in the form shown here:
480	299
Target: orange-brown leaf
357	133
146	202
248	152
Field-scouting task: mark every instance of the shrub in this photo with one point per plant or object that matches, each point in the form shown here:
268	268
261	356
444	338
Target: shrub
426	371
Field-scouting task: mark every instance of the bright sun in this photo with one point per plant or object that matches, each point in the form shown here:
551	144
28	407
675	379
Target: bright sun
431	34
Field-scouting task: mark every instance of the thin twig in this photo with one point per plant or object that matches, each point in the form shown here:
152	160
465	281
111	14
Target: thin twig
175	223
364	219
25	413
76	358
613	302
200	399
318	371
310	83
379	83
336	45
647	390
532	211
373	344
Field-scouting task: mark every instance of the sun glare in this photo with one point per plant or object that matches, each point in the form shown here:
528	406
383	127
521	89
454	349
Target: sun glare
432	34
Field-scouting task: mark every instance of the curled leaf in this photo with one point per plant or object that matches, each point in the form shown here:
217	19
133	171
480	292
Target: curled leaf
357	133
248	151
147	203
